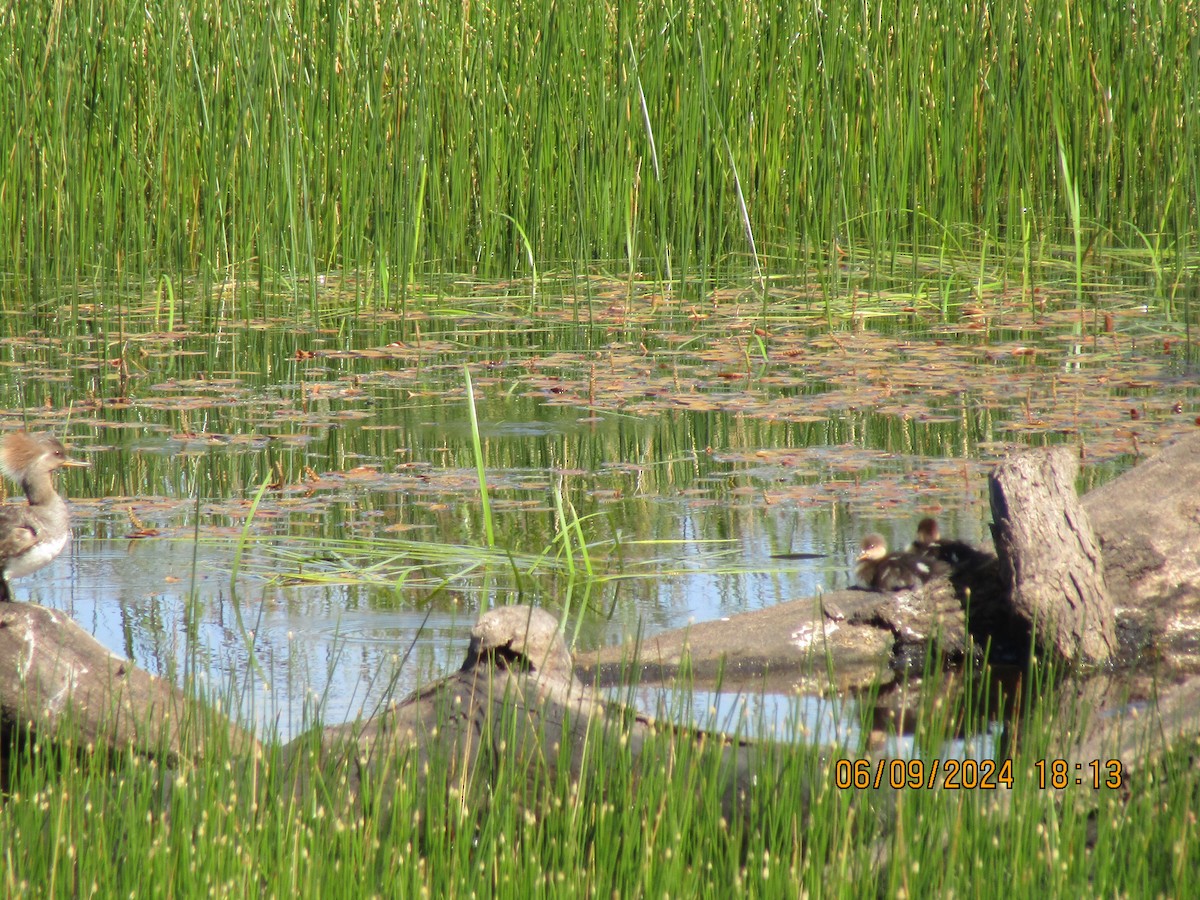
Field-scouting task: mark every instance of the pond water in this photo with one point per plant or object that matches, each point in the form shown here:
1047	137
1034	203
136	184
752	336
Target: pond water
289	506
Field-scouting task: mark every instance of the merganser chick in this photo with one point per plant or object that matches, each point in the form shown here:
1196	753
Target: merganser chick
882	571
32	535
957	554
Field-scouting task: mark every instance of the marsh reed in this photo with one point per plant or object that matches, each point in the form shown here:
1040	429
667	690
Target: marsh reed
298	138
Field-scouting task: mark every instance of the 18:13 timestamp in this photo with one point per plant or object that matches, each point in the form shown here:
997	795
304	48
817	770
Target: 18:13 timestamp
1059	773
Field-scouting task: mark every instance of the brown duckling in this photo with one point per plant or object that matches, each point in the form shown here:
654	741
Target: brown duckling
32	535
957	554
882	571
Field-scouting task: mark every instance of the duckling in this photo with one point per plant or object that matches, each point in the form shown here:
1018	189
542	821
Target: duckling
957	554
882	571
32	535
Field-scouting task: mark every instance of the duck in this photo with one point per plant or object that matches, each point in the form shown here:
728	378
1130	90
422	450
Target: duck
958	555
31	536
879	570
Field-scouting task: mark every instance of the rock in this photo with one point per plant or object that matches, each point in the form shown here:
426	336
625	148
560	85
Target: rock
923	621
1148	525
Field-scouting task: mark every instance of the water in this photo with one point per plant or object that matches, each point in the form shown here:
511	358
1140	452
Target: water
687	452
333	650
292	653
295	655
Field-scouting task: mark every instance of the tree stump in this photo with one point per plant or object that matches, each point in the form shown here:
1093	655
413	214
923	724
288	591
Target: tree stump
1049	557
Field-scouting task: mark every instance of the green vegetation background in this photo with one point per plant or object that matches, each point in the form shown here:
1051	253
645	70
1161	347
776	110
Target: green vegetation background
300	137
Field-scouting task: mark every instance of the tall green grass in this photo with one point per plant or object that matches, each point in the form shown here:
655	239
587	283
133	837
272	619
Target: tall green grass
290	139
648	825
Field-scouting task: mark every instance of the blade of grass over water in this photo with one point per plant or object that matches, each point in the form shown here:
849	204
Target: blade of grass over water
243	538
743	212
246	635
533	284
480	471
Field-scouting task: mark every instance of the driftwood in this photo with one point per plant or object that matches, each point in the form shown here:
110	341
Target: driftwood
1050	560
516	687
515	698
779	648
1148	523
60	683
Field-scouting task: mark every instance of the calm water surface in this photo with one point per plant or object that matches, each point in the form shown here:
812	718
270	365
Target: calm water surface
694	448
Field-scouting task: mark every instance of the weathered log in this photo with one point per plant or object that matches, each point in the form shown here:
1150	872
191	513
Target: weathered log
784	647
59	683
515	699
1049	558
500	696
1148	524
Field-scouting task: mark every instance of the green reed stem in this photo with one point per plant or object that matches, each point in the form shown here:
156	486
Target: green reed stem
480	471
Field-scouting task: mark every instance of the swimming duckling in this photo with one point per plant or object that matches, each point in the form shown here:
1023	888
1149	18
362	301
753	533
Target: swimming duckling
882	571
958	554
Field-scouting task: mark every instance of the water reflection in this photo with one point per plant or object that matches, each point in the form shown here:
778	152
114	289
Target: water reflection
333	653
749	713
286	654
834	723
698	539
285	657
337	650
